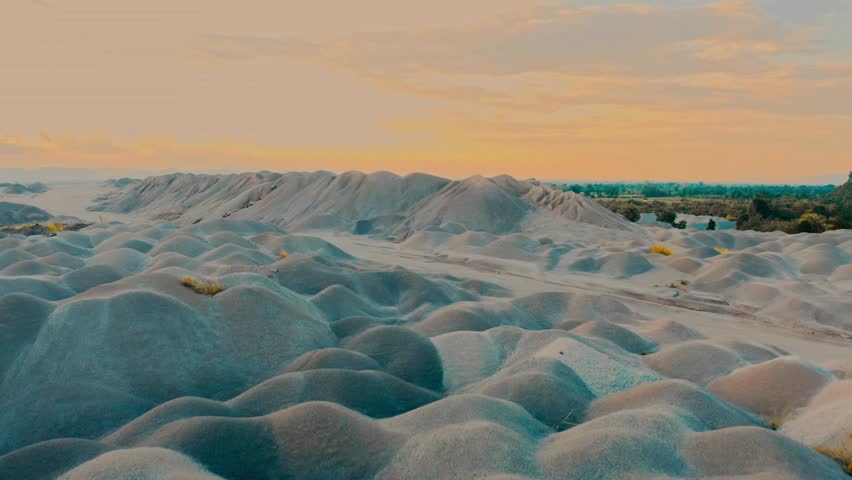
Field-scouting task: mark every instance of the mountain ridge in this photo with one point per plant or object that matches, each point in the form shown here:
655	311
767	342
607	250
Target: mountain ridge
380	202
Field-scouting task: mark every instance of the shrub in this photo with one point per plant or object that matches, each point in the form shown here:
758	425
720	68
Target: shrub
722	251
667	216
55	227
786	226
630	212
760	205
661	250
811	222
282	253
680	225
840	454
202	287
711	225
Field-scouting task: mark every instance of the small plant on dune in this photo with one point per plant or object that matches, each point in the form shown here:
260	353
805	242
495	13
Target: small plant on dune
565	423
774	423
282	253
55	227
839	454
683	282
722	251
672	285
661	250
202	287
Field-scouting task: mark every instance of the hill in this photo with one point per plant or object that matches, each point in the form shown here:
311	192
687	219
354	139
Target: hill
17	213
375	203
842	193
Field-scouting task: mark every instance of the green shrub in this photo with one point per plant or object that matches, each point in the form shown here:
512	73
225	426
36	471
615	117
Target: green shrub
811	222
630	212
667	216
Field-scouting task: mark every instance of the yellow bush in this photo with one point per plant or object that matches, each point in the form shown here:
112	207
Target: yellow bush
202	287
282	253
721	250
661	250
840	454
55	227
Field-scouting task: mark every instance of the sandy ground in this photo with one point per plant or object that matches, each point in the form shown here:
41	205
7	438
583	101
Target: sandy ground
814	345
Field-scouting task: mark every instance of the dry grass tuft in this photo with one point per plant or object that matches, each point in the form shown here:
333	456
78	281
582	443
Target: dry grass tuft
840	454
282	253
55	227
661	250
202	287
723	251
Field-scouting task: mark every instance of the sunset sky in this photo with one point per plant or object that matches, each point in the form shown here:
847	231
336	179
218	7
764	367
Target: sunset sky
724	90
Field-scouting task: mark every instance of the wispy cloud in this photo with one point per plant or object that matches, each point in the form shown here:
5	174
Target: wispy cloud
541	87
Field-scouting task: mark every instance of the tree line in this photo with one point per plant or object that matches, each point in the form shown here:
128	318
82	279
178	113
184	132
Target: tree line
791	209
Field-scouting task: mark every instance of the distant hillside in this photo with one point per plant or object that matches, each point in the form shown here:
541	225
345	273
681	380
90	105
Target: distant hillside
20	189
379	202
16	213
842	193
122	182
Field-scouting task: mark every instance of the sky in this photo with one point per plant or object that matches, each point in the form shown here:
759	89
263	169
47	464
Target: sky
725	90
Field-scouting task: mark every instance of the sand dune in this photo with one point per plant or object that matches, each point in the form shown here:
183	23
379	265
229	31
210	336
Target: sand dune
15	213
512	332
362	203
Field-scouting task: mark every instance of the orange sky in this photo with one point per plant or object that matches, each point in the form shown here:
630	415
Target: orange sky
724	90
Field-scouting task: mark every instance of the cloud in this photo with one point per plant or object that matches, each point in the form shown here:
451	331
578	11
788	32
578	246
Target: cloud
626	39
481	86
799	12
587	47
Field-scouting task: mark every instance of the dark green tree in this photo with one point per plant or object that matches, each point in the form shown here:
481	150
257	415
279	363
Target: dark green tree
667	216
630	212
760	205
811	223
